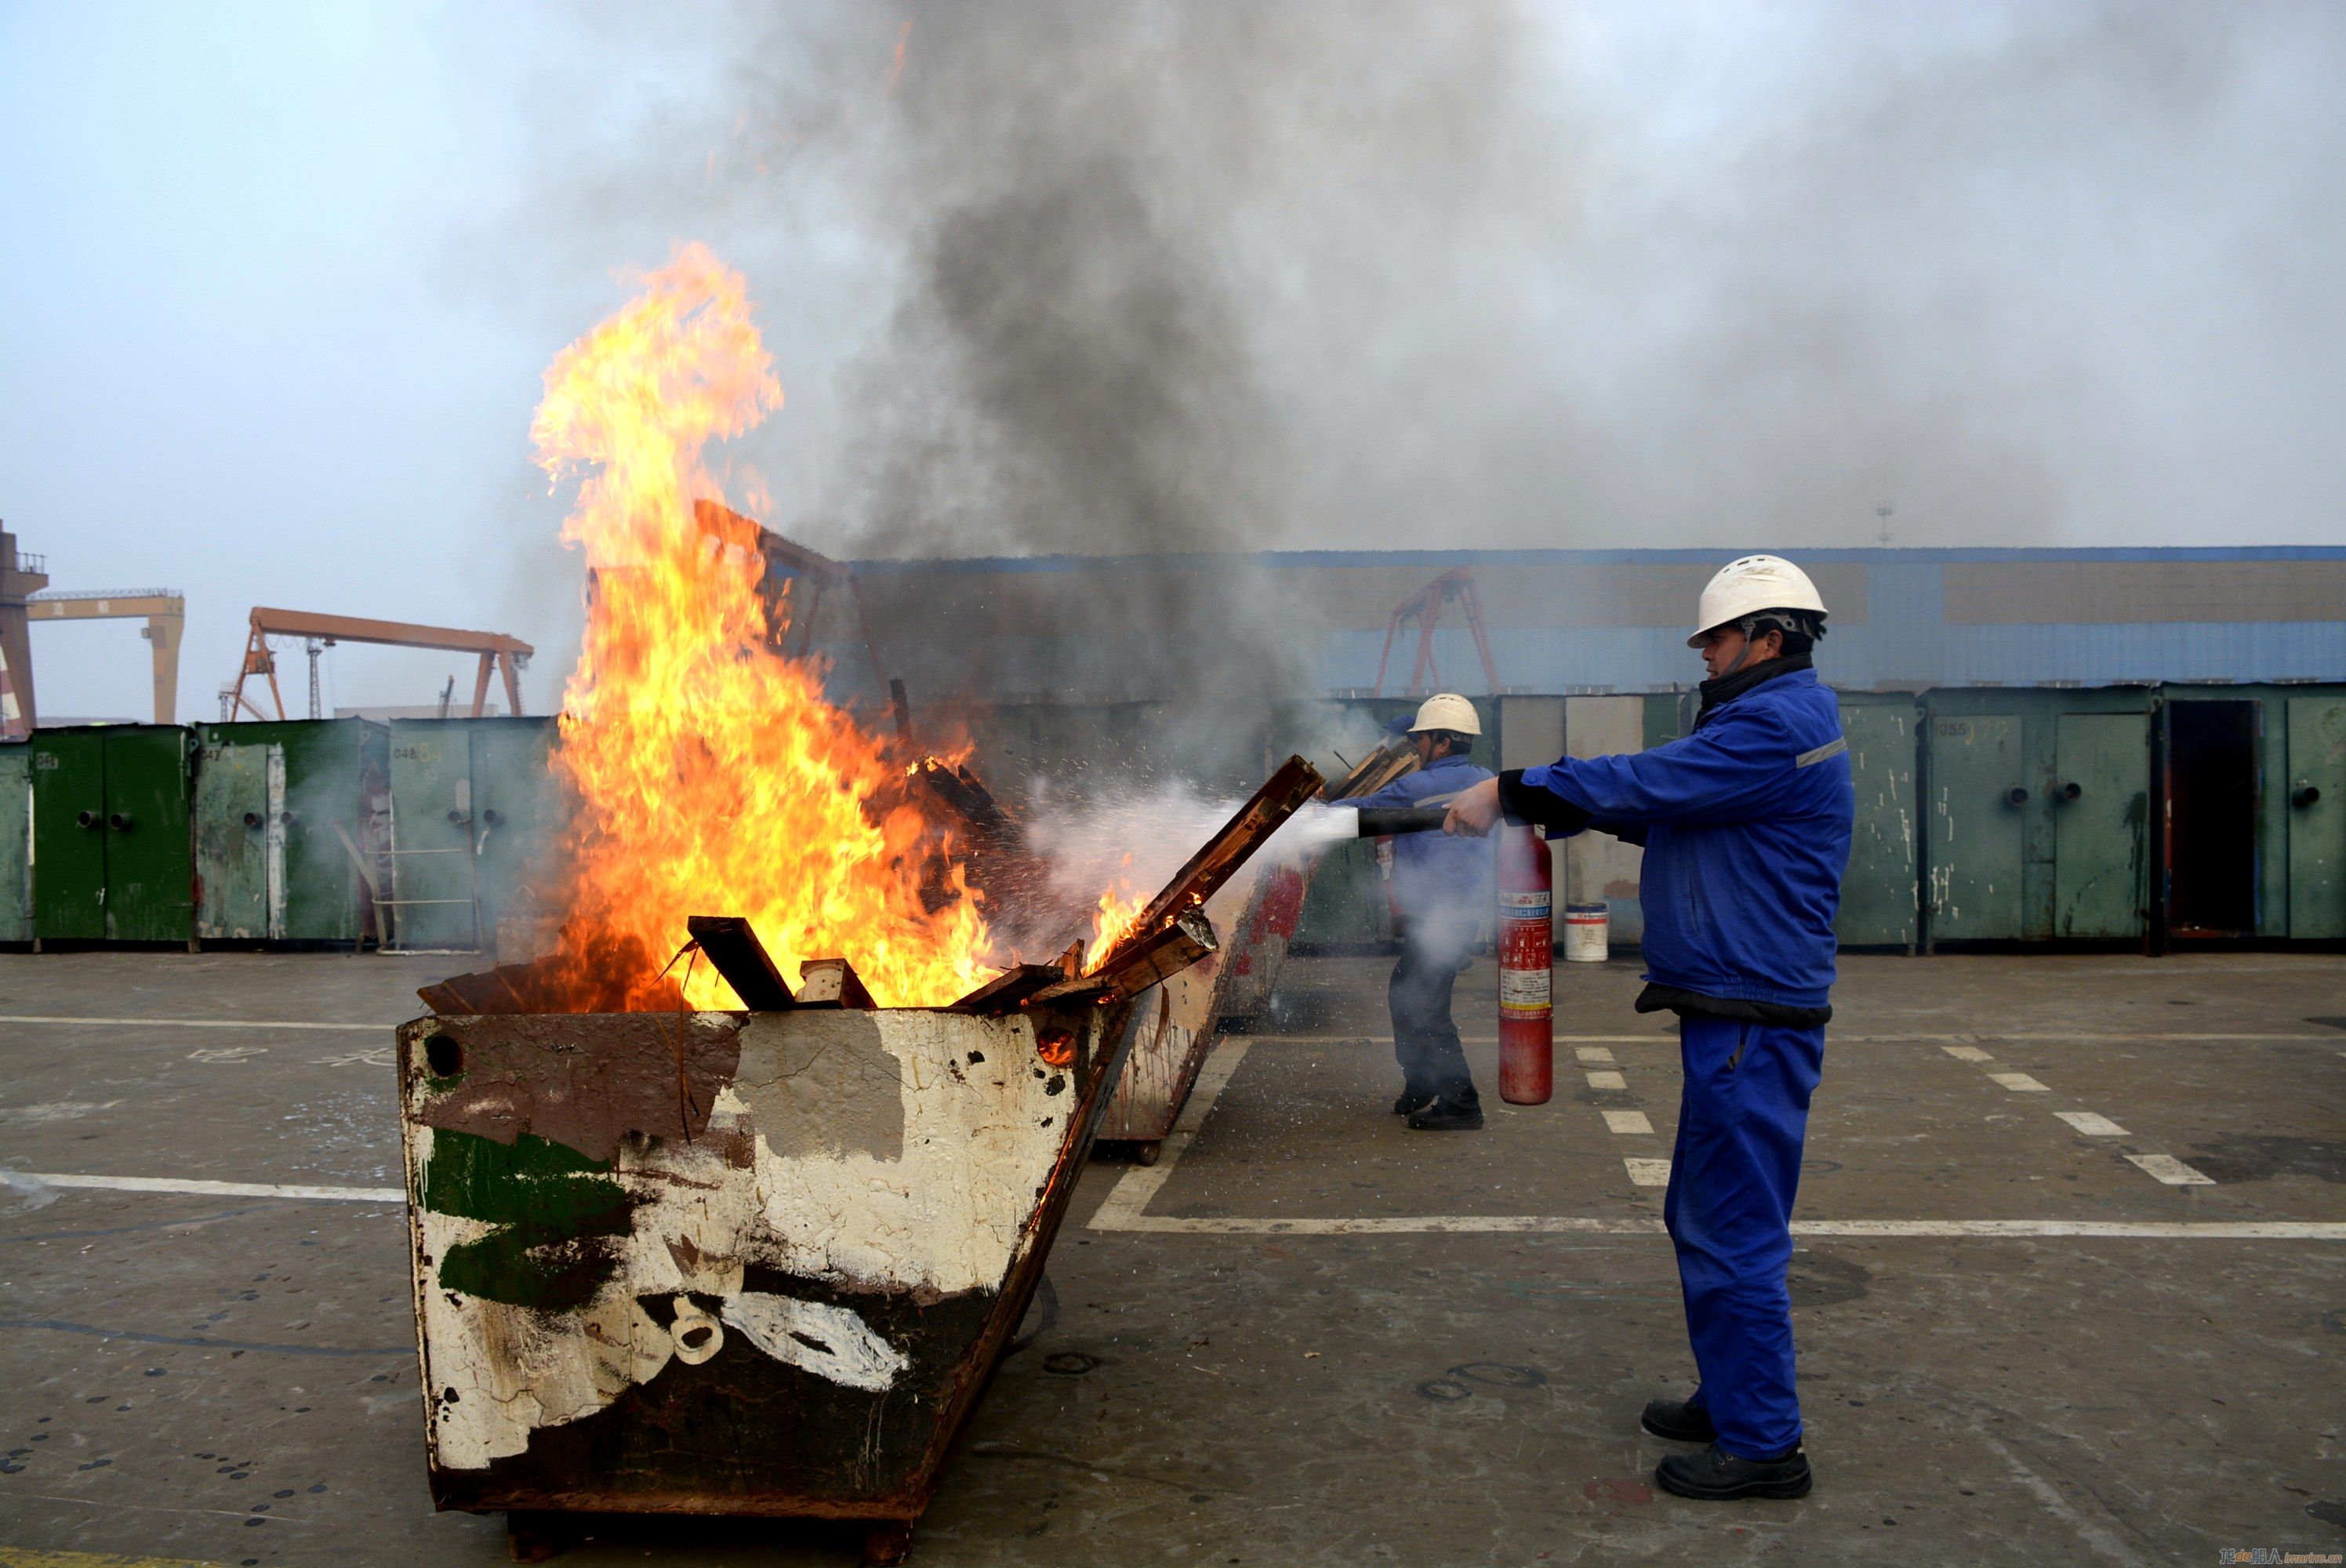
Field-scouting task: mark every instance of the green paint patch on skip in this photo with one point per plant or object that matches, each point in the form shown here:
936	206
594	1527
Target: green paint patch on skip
556	1211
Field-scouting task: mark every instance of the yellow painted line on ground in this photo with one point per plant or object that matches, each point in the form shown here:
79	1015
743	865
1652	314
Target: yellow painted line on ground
188	1023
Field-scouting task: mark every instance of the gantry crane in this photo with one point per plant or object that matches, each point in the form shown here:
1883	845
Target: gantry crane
508	656
164	610
1424	607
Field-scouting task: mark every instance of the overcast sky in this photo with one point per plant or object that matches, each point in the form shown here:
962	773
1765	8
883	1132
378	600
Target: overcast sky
277	281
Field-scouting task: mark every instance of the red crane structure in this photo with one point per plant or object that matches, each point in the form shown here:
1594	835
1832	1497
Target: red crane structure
497	651
1424	607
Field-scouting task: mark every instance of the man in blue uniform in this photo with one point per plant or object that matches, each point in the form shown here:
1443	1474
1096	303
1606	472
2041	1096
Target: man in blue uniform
1443	889
1746	825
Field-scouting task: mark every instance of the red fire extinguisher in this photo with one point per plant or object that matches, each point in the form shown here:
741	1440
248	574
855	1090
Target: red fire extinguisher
1526	954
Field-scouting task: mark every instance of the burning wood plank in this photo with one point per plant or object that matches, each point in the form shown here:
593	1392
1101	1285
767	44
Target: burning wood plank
1008	992
549	984
733	948
1134	966
967	798
1377	769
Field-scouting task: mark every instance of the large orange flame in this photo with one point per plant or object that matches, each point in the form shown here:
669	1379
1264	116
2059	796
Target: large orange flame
712	776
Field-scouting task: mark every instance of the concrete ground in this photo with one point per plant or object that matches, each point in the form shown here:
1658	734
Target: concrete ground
1307	1336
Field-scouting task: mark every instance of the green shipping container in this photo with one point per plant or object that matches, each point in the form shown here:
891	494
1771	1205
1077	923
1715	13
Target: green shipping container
1879	894
2252	826
475	809
2036	814
113	855
2315	764
15	843
291	818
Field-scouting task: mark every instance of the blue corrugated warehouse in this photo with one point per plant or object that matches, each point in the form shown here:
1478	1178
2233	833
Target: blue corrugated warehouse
1081	628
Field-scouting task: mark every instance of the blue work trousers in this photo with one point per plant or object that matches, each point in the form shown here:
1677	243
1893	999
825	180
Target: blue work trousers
1742	1121
1425	1037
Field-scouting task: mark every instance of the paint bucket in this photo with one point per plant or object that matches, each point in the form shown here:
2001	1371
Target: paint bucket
1587	929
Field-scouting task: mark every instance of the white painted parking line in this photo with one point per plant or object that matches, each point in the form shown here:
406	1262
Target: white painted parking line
1139	1186
1605	1054
191	1023
2170	1170
1650	1173
1628	1124
1127	1205
1967	1053
1602	1079
1571	1225
2093	1123
219	1188
2019	1083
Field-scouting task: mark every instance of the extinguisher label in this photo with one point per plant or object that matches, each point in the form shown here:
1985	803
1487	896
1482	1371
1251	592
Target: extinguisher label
1525	990
1527	906
1525	980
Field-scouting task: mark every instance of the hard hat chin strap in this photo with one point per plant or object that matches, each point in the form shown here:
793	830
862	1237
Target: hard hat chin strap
1744	625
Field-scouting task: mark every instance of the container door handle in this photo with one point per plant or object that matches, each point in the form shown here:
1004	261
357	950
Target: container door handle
2017	796
2071	791
252	819
2306	796
88	819
119	821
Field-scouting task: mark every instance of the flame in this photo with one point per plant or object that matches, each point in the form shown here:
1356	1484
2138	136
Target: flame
712	776
1113	918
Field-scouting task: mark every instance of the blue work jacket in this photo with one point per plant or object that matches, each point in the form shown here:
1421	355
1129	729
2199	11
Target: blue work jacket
1434	874
1746	825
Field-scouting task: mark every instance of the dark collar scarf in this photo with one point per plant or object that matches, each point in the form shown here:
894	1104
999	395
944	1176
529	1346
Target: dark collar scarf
1728	688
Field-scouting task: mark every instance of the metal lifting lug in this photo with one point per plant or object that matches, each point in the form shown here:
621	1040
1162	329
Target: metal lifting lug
88	819
2017	796
121	822
2071	791
2305	795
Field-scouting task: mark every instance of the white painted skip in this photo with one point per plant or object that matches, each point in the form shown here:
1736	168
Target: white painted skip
884	1157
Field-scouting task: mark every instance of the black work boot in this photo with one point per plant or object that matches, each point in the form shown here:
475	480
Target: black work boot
1679	1421
1714	1475
1447	1115
1412	1098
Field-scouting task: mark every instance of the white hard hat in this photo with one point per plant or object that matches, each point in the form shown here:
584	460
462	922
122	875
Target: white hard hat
1447	710
1749	585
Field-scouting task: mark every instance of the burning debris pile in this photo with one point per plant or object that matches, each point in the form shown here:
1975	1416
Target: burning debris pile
760	1255
708	767
714	779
